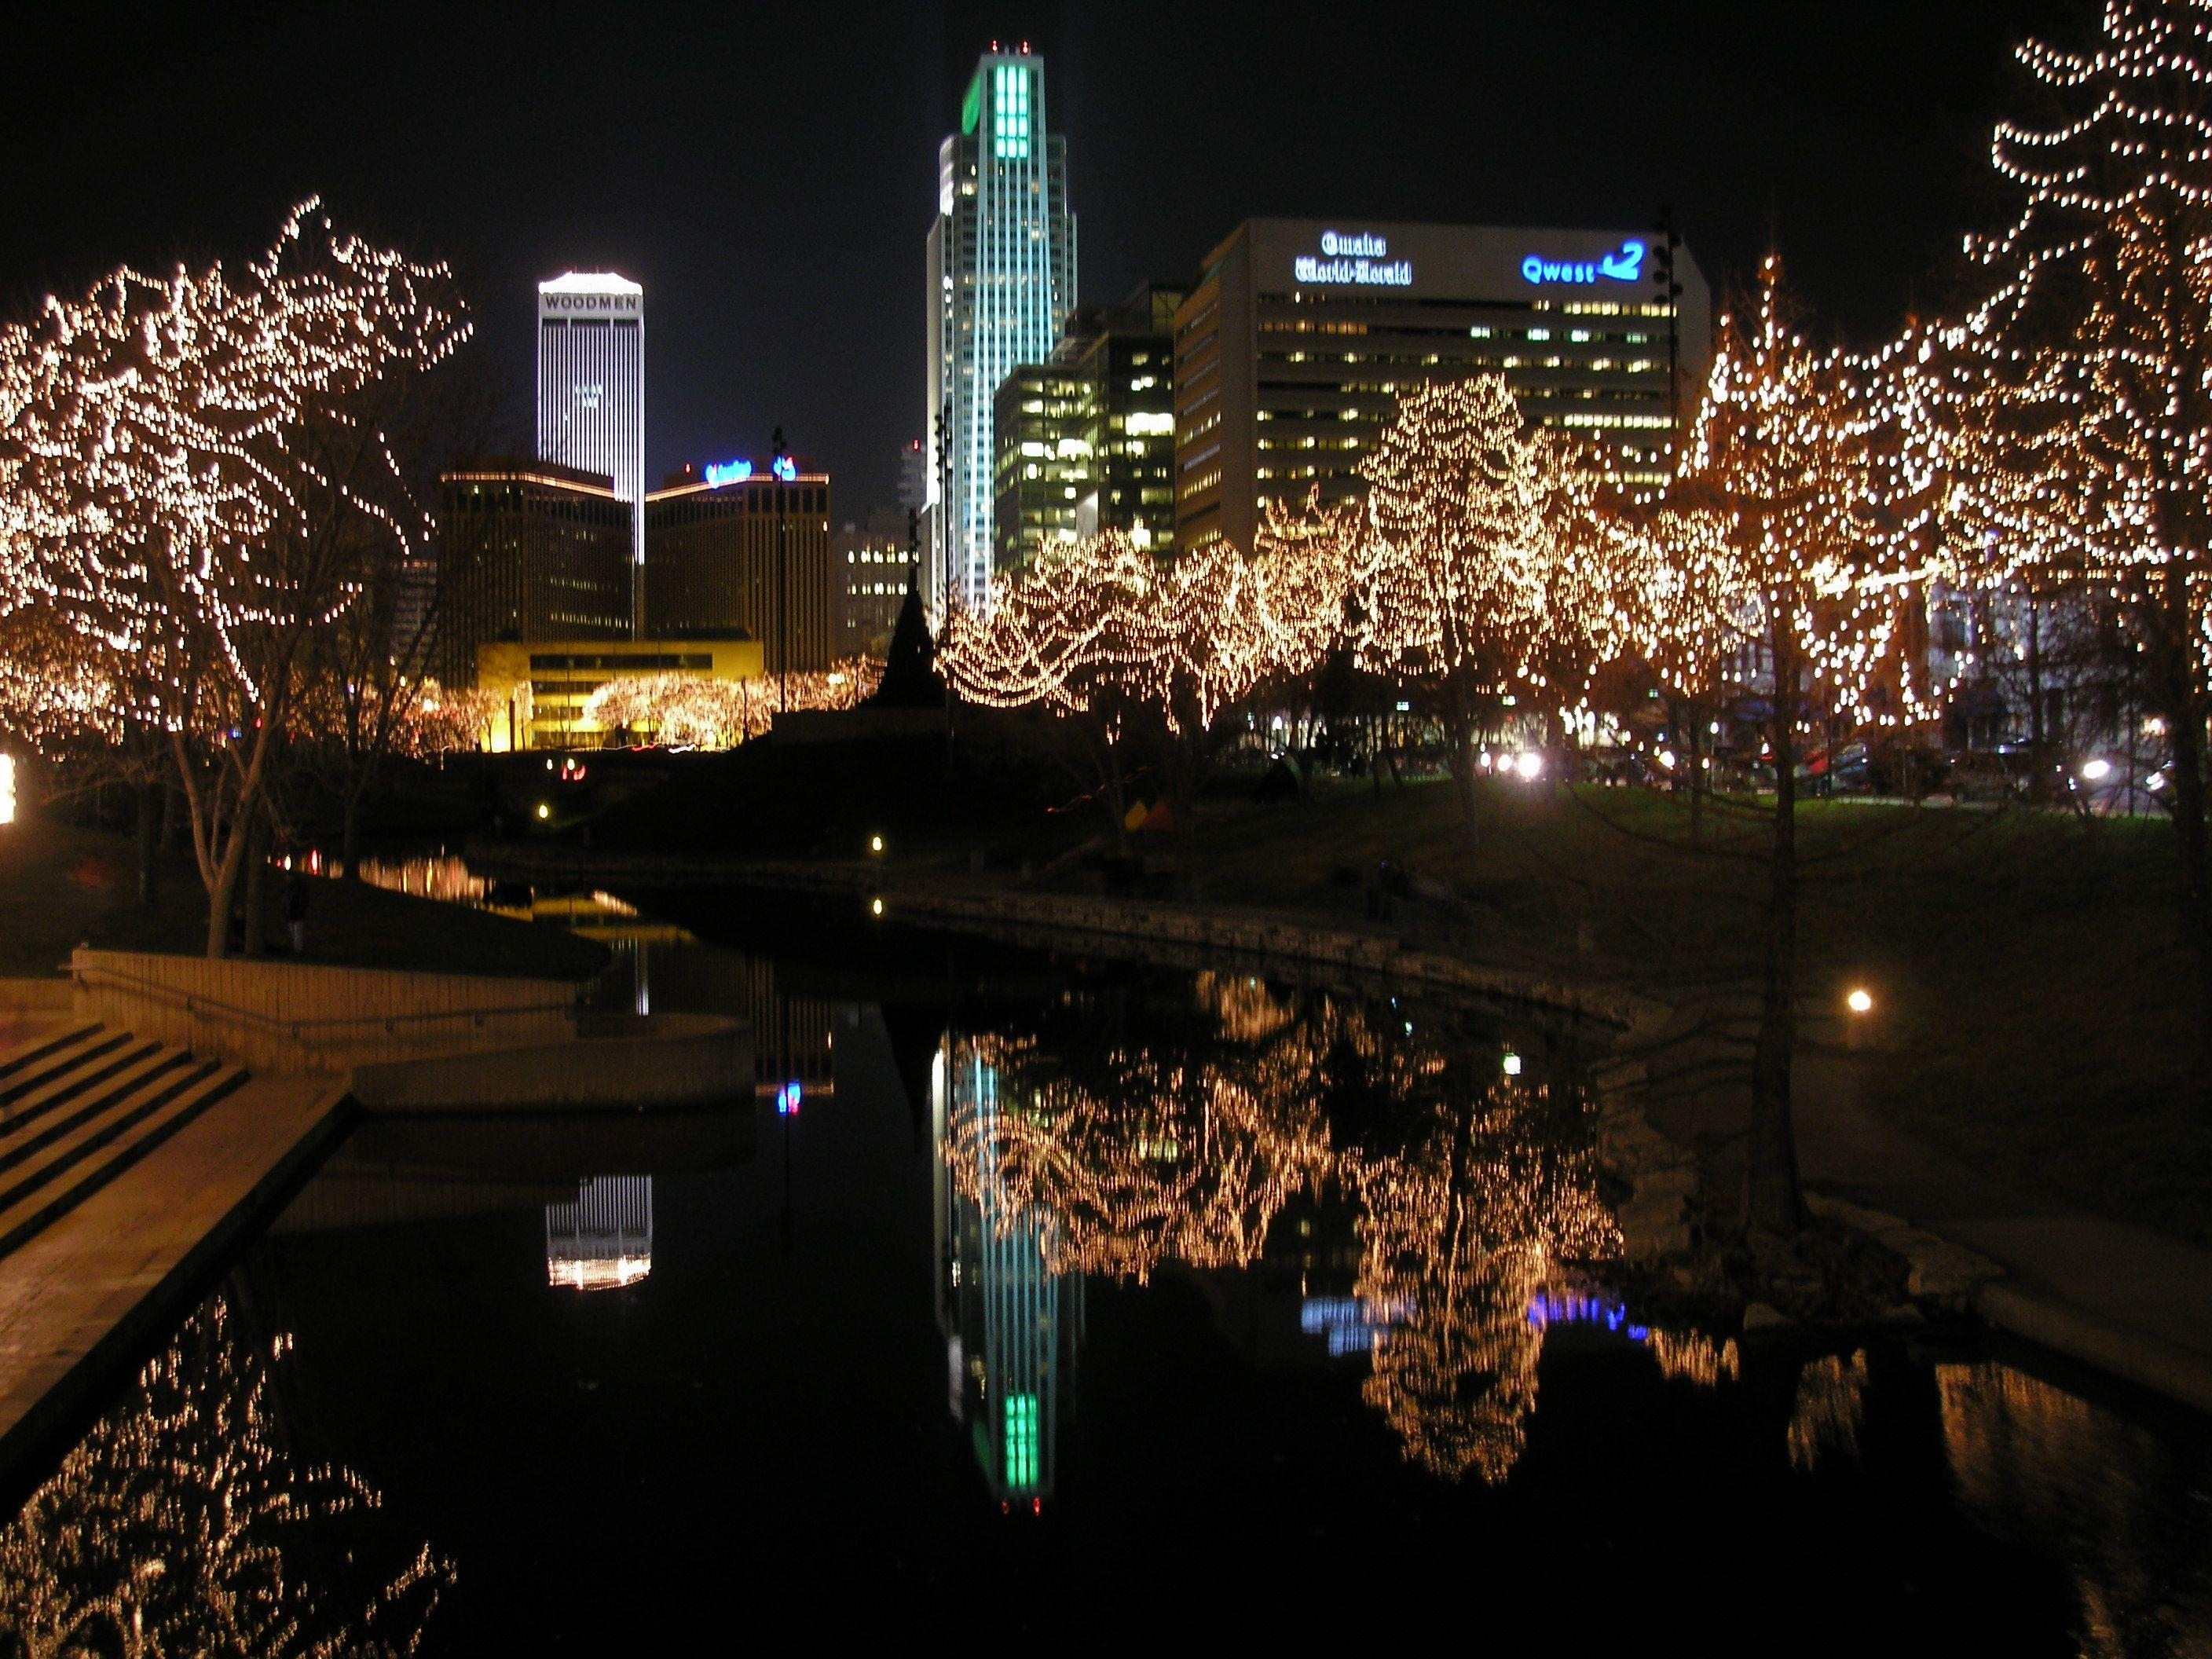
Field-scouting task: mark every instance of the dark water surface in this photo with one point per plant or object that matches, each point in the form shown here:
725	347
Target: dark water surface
1076	1303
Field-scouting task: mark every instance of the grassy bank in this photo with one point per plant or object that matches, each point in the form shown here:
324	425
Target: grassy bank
2031	994
61	887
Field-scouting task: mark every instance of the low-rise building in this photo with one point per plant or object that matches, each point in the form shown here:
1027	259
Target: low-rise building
548	684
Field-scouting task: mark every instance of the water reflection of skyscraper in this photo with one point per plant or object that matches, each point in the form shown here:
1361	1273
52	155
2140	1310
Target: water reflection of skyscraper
1471	1190
603	1241
1012	1325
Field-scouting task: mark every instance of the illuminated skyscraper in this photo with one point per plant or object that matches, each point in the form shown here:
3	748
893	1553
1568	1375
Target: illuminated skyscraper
1001	283
590	383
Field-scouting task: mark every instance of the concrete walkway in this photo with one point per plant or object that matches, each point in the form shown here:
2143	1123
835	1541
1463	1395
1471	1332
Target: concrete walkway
2120	1298
106	1279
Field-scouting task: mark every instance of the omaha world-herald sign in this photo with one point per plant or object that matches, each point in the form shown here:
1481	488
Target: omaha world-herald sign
1473	262
1359	260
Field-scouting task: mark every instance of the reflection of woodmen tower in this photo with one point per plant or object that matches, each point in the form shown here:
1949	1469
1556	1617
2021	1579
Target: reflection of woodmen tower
603	1241
1011	1326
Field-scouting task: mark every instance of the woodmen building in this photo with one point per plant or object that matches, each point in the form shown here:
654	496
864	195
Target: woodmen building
1290	353
733	552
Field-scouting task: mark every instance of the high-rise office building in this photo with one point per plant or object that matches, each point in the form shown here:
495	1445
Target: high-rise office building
1002	271
528	551
1042	430
590	383
1291	351
743	550
913	477
869	565
1086	442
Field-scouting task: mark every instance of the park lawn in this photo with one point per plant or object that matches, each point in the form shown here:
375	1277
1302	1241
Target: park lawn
62	886
2034	1000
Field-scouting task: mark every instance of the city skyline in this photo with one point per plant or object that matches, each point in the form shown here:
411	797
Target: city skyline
817	267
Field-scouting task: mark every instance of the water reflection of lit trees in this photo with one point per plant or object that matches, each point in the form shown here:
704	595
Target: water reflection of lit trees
1472	1198
1152	1157
1463	1231
182	1524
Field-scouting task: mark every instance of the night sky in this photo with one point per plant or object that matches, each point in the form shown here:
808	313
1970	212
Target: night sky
769	173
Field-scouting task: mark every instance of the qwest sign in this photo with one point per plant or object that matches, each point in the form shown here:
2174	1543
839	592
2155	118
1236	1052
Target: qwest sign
1361	261
1624	266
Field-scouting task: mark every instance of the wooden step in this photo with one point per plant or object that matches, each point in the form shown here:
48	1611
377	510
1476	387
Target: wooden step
52	1068
110	1146
142	1077
75	1036
114	1059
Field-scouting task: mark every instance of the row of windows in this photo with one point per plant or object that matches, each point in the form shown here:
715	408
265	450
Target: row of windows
1351	302
628	662
1472	360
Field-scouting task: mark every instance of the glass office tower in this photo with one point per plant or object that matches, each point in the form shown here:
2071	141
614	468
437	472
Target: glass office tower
1001	259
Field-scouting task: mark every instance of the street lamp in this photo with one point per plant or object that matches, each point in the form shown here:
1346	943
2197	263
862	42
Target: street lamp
1860	1001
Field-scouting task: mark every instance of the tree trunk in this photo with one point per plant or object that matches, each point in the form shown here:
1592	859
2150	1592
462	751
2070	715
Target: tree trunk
349	837
2173	685
256	869
1459	739
1771	1194
151	796
1697	774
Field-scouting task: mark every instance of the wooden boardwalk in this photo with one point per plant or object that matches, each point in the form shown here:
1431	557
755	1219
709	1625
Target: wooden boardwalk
128	1168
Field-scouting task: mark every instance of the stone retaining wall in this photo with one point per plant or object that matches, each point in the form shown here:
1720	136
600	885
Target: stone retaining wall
293	1017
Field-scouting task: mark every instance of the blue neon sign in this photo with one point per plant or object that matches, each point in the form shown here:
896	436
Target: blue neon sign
728	472
1624	266
784	468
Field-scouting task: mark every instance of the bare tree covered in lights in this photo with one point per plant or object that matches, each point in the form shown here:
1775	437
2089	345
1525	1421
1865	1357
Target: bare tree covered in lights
713	713
1783	532
1100	630
2080	428
194	476
1461	591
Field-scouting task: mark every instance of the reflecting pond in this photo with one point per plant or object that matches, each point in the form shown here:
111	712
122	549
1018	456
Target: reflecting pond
1093	1301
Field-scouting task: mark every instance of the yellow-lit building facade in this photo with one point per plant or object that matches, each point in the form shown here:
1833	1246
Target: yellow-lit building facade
542	689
